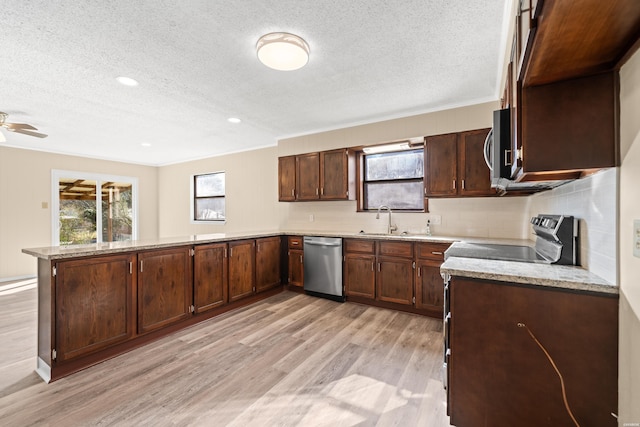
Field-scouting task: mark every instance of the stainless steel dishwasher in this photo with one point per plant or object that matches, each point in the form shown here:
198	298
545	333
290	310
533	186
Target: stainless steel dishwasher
323	267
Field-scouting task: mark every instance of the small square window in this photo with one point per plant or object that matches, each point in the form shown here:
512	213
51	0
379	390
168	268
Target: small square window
394	179
209	197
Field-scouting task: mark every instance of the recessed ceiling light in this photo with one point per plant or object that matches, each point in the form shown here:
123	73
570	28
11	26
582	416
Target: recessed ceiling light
146	144
282	51
233	120
127	81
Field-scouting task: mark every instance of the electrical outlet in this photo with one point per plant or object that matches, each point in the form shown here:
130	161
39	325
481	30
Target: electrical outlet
636	238
435	219
311	218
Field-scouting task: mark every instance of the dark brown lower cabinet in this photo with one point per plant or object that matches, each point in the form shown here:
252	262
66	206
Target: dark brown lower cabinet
295	261
94	304
429	286
359	275
394	280
209	276
429	282
241	269
379	271
394	276
268	263
165	287
499	376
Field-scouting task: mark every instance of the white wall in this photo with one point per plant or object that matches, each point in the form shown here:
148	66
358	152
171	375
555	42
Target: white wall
25	184
251	180
629	349
594	201
500	217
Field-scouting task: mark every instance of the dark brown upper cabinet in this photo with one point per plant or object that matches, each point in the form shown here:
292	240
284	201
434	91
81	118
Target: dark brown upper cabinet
325	175
308	176
455	166
287	178
563	87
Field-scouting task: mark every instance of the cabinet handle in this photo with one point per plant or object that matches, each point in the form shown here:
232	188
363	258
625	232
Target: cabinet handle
295	243
379	267
300	258
293	192
454	184
317	191
225	252
230	252
463	184
373	267
130	268
436	253
419	268
141	266
322	191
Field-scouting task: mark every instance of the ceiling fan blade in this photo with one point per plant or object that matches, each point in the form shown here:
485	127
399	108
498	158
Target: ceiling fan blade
30	133
16	126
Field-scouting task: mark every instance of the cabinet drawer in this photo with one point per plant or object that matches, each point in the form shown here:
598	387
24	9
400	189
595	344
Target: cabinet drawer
295	242
432	250
358	245
400	249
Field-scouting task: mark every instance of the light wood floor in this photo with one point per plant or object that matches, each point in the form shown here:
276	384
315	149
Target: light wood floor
290	360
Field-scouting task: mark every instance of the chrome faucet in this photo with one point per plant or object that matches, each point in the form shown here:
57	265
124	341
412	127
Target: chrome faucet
390	228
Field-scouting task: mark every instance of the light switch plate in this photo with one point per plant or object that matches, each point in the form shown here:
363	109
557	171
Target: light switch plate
636	238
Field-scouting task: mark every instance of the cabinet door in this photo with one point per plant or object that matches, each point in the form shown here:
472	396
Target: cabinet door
394	280
308	176
440	163
499	376
296	267
287	178
334	179
241	269
267	263
474	175
164	288
210	276
429	286
93	304
359	275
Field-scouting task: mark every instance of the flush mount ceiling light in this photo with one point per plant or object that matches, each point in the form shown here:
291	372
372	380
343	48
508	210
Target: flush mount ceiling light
234	120
282	51
127	81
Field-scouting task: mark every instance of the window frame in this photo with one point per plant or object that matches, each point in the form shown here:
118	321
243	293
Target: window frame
360	178
193	198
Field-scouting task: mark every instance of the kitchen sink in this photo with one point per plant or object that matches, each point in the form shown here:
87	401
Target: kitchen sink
368	233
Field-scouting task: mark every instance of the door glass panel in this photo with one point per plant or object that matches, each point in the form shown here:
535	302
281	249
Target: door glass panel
77	212
117	211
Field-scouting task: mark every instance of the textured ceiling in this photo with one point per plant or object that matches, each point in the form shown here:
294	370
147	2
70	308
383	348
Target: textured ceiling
196	63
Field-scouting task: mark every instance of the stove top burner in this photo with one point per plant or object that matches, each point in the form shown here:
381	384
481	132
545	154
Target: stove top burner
556	242
496	252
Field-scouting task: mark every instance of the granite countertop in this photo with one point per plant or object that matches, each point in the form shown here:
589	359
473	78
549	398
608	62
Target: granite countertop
73	251
546	275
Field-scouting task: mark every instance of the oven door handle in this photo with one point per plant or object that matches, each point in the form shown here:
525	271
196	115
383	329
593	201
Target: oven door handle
488	145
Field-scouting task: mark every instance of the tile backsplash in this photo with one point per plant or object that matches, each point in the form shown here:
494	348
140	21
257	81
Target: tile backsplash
593	201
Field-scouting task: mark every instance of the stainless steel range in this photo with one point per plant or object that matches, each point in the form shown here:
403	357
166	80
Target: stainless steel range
556	243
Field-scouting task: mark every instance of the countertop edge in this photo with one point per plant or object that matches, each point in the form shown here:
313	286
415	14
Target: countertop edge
544	275
74	251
